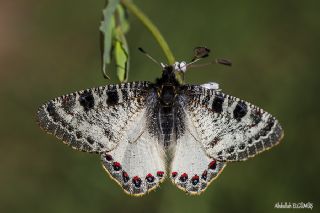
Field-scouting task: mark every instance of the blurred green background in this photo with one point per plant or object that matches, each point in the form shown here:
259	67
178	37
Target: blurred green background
49	48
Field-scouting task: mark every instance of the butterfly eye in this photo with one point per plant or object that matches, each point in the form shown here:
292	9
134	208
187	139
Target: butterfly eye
180	66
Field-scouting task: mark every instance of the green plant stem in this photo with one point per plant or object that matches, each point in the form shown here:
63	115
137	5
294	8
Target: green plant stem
151	27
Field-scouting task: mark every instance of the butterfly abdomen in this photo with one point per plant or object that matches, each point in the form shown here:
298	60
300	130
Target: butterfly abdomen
166	124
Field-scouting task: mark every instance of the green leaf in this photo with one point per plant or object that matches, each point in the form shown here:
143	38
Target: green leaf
121	53
113	27
106	27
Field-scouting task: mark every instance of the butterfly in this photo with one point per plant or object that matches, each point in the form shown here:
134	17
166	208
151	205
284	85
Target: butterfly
145	132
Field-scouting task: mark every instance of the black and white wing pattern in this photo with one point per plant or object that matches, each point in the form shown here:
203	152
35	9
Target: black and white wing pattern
217	128
137	164
93	120
192	170
230	129
110	121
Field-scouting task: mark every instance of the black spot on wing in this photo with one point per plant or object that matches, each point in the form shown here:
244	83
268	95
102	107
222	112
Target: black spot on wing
242	155
206	99
109	134
256	117
125	95
217	103
232	157
90	140
259	146
240	110
274	132
70	128
214	141
68	102
230	150
113	97
270	124
51	109
86	100
43	119
267	142
252	150
242	146
79	134
265	130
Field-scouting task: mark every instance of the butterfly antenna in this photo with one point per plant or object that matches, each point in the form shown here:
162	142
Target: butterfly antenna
223	61
203	52
150	57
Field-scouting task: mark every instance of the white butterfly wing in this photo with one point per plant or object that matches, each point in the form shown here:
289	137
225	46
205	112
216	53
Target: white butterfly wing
192	170
217	128
136	164
94	120
230	129
110	120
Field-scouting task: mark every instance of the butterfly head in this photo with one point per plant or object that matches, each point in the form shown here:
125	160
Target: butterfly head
168	77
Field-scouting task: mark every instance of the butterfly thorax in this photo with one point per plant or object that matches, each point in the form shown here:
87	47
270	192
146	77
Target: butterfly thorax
167	88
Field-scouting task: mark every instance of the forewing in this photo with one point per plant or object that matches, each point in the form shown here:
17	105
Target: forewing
192	170
230	129
95	120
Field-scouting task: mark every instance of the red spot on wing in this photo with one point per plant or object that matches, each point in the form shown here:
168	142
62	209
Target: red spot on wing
195	179
213	165
160	174
174	174
117	166
183	177
204	175
125	177
150	178
136	181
